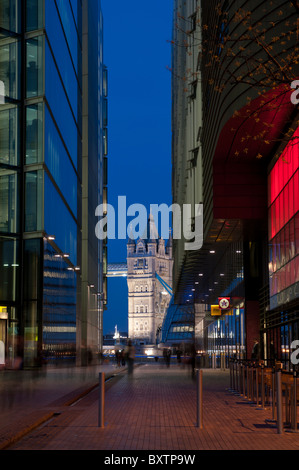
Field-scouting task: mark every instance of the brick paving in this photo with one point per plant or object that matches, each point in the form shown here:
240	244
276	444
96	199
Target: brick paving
156	410
30	398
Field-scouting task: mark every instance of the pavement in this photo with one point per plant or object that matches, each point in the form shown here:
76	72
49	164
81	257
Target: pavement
30	398
155	409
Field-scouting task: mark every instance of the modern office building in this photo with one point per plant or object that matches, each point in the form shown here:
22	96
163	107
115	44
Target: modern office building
235	150
52	177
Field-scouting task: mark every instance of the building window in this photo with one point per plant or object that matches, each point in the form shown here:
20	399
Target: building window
9	201
34	134
9	70
34	15
9	132
283	203
33	201
34	67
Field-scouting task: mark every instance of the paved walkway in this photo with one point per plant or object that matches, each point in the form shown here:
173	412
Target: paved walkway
156	410
29	398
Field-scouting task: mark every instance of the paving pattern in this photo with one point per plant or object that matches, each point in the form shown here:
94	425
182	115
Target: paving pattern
156	410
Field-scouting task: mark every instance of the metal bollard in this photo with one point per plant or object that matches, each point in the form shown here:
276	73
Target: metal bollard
247	381
243	379
262	387
279	402
199	422
233	375
257	385
101	423
230	376
237	376
273	394
294	411
252	383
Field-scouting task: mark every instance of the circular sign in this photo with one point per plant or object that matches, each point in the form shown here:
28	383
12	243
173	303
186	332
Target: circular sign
224	303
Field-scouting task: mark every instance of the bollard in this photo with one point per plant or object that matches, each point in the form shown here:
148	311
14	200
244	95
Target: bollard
243	379
294	411
101	423
262	387
237	376
199	422
273	394
230	375
233	375
252	383
257	385
247	381
279	402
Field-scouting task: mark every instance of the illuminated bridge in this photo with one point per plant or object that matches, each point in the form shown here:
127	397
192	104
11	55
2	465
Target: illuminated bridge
178	324
117	270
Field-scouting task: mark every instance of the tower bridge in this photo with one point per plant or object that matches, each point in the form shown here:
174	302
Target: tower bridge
117	270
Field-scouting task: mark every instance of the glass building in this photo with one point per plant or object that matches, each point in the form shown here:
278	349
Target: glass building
53	167
235	151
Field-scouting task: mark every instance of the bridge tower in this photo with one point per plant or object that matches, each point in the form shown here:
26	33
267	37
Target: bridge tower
147	298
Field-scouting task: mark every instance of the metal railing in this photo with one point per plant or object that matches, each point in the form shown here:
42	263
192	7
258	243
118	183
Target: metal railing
268	387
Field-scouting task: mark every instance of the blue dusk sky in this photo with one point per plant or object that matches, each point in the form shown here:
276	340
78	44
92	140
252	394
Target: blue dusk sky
137	53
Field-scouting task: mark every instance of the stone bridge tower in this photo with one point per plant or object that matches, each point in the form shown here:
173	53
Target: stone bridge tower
147	298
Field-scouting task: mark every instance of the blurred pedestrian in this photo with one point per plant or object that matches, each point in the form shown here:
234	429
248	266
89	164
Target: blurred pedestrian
179	356
123	357
130	357
255	354
193	360
167	356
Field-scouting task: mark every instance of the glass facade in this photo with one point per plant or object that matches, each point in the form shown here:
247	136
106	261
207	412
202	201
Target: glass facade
283	204
281	320
10	178
41	143
227	335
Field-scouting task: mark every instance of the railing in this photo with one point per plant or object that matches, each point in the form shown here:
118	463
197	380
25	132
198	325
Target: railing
268	387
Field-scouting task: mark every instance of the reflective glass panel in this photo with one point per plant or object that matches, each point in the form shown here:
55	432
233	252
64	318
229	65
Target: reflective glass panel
34	14
9	269
10	15
60	108
9	135
9	71
34	134
59	164
59	221
33	201
62	56
34	66
8	202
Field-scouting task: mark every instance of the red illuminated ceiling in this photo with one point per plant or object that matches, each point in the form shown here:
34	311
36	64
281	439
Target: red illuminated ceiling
239	179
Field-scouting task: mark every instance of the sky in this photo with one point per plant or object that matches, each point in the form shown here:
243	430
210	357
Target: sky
137	53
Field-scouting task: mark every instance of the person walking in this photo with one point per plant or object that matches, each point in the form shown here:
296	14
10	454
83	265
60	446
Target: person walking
255	355
130	356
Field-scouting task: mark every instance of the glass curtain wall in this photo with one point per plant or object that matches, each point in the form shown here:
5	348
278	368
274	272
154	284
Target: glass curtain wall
281	322
51	176
10	171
